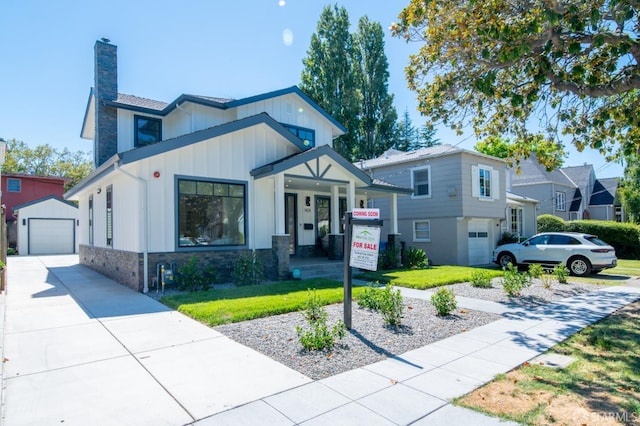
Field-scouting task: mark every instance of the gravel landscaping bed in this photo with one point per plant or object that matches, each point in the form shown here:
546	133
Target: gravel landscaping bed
369	341
534	295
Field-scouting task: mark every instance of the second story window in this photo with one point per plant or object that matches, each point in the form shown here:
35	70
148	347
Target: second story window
485	183
14	185
308	136
147	130
421	182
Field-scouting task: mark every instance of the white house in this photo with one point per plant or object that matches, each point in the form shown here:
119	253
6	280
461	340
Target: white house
47	226
211	177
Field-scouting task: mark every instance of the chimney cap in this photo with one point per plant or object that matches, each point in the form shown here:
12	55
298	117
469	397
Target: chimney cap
106	40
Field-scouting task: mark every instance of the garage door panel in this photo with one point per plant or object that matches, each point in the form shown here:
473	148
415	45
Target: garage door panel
51	236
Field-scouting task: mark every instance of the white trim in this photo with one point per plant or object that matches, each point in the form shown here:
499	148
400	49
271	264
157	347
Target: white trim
416	169
421	240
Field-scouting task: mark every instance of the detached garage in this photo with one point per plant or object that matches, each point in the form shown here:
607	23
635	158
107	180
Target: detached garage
47	226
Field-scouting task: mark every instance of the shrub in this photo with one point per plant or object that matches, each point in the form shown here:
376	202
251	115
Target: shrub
11	251
508	237
624	237
193	277
513	281
415	258
248	270
389	258
547	280
535	270
481	279
551	223
561	273
370	298
385	300
318	336
444	300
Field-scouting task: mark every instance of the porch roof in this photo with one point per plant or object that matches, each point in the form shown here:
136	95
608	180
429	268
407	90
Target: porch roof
287	163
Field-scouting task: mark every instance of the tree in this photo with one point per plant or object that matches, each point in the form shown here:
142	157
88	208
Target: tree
327	76
425	138
347	75
629	190
44	160
511	151
405	134
500	65
377	118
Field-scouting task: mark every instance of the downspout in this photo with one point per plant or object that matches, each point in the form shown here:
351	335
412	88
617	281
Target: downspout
145	225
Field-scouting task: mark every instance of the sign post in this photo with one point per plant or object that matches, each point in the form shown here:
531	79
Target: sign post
361	242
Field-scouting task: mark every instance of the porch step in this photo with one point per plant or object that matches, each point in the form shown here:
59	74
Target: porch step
319	269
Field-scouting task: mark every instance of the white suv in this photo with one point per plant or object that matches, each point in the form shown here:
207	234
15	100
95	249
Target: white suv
581	253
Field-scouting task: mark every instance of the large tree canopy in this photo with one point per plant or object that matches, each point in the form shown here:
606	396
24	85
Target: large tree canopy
44	160
505	67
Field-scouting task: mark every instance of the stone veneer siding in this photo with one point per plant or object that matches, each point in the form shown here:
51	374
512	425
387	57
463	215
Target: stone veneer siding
127	267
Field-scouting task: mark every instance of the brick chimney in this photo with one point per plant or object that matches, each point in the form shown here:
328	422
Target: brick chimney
105	88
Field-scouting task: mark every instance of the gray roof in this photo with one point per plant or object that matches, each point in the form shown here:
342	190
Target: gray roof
136	101
580	175
394	156
532	172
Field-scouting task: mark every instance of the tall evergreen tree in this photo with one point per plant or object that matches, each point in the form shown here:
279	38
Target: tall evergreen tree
375	132
328	77
406	133
425	138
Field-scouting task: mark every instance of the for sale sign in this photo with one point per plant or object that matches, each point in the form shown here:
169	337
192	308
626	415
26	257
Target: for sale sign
364	247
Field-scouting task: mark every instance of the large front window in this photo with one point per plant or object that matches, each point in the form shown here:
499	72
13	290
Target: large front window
516	221
211	213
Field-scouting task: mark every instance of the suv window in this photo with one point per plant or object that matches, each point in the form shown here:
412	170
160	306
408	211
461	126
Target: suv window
595	240
539	240
559	240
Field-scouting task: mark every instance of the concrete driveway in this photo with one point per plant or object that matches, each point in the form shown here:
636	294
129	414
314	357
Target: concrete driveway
82	349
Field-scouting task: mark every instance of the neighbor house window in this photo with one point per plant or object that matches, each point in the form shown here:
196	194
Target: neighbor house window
516	221
147	130
485	182
560	201
421	231
91	220
109	216
211	213
308	136
421	181
14	185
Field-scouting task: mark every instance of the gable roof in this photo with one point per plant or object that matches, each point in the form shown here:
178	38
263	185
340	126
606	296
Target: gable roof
604	192
291	161
580	175
161	147
532	172
43	199
393	156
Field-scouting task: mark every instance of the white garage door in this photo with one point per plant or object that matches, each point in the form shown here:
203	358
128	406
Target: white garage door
51	236
479	249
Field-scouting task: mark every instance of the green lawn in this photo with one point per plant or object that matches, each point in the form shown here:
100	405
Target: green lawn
625	267
221	306
426	278
615	276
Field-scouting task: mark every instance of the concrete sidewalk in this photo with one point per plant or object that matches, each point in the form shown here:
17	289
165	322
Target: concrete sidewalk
81	349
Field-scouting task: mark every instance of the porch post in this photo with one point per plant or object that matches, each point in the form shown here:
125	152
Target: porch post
394	213
336	249
351	195
279	204
393	239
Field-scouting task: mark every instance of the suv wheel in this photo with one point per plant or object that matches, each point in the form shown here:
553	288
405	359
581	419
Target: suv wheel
579	266
506	258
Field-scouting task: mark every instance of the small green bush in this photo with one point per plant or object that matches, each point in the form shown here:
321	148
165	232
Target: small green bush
389	258
370	298
561	273
444	300
535	270
508	237
481	279
391	305
513	281
551	223
415	258
318	336
11	251
547	280
248	270
194	277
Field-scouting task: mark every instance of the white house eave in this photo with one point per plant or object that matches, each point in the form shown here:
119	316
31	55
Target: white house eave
88	124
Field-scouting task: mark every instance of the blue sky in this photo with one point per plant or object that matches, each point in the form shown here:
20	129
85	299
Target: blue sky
230	49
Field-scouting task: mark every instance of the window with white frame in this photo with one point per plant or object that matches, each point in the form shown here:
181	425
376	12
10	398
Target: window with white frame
421	181
485	182
561	201
516	221
421	231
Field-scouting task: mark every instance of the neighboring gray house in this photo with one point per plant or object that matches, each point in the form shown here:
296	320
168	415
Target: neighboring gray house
571	193
521	217
458	209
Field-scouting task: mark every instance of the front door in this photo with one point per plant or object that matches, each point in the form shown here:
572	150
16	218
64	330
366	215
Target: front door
291	220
